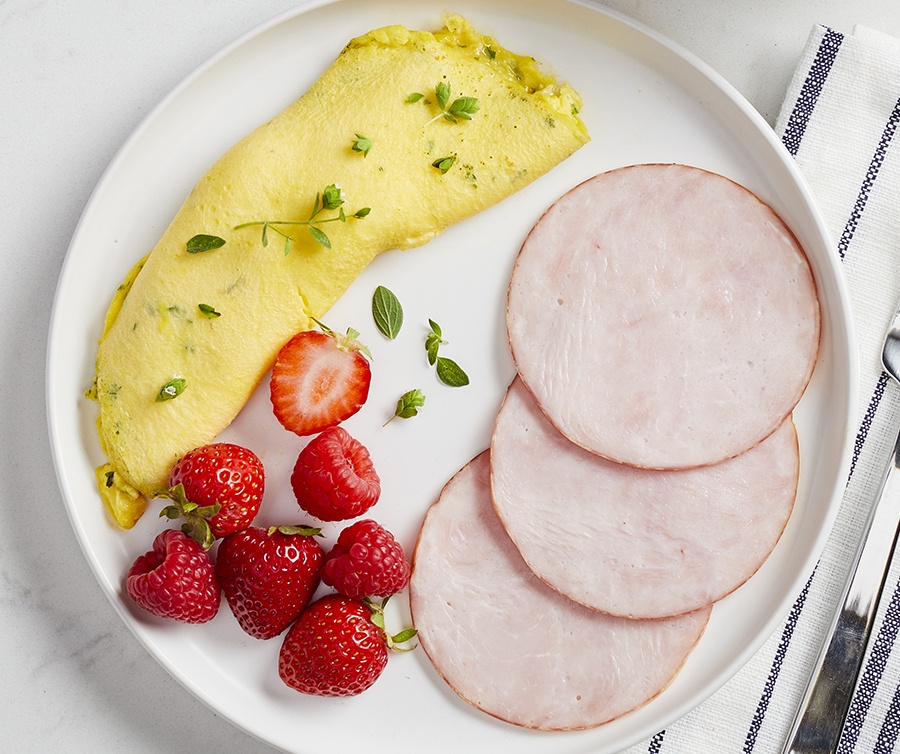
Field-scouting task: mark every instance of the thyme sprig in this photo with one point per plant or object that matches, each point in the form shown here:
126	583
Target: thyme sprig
462	108
328	200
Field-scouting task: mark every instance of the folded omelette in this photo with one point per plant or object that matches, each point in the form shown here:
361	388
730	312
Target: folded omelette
415	131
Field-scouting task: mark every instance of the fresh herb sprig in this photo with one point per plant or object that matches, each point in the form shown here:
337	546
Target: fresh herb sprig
444	163
408	405
461	108
448	371
362	144
330	199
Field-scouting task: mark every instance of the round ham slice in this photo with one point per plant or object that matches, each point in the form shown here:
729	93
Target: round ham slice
663	316
635	542
513	647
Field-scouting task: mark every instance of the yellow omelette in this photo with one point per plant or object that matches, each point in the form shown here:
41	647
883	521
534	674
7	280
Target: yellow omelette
418	130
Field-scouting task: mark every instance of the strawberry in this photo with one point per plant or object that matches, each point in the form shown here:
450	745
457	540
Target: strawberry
334	478
217	489
319	379
269	575
338	647
175	580
366	561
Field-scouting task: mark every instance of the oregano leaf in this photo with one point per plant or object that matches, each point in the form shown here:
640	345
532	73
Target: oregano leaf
387	312
451	373
203	242
172	389
319	236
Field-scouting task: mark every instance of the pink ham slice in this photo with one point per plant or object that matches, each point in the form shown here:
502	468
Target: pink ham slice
637	542
513	647
663	316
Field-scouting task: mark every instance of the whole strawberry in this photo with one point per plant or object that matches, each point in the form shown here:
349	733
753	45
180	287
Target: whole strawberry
334	478
338	647
217	489
269	575
175	580
318	380
366	561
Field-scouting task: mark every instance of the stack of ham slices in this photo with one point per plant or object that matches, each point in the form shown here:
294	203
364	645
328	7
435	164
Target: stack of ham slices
664	323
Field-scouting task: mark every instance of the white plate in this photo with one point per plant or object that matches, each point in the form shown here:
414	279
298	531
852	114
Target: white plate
644	100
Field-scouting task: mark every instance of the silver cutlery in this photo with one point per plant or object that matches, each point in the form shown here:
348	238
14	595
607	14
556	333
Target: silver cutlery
822	714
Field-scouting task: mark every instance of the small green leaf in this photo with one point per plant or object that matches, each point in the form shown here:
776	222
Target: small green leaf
415	97
172	389
303	531
362	212
208	311
319	236
464	107
362	144
408	405
404	636
202	242
444	163
433	342
387	312
332	197
442	93
450	373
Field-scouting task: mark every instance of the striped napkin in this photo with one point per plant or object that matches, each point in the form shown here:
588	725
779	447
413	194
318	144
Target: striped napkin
839	121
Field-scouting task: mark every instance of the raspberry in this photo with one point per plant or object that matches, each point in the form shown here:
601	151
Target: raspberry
366	561
334	478
175	580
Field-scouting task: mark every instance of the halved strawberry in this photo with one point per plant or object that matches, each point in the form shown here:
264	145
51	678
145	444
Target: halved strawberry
320	378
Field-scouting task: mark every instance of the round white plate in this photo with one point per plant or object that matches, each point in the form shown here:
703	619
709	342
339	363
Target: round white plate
644	101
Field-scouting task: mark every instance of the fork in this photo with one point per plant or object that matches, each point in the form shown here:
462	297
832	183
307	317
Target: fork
821	717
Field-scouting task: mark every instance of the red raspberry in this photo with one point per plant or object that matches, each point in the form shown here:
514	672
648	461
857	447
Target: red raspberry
175	580
366	561
334	478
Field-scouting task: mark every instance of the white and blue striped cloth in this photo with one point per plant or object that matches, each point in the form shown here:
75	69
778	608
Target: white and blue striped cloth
839	121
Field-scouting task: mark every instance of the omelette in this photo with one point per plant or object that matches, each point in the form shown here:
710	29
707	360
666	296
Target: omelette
404	134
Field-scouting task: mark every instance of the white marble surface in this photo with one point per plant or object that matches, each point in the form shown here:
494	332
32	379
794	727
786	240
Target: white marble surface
77	77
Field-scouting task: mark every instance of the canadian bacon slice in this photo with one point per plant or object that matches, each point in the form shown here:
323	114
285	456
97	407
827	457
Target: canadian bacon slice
516	649
635	542
663	316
